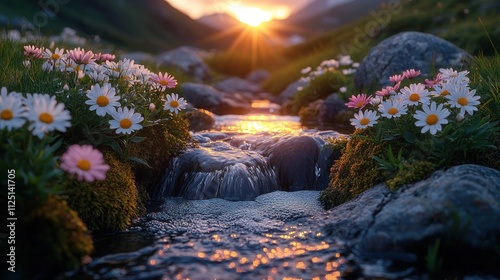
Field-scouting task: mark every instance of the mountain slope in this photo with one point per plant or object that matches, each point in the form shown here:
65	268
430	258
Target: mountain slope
219	21
148	25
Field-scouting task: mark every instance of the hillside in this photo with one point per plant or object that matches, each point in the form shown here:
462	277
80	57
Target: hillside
148	25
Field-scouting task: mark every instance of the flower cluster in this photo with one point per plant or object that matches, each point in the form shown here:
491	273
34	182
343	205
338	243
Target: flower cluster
331	65
430	104
42	112
117	89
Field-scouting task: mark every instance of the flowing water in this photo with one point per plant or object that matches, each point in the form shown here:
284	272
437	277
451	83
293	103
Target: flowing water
270	224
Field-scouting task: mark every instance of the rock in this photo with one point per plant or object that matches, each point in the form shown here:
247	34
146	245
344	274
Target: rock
235	84
404	51
288	93
219	172
200	120
206	97
139	57
258	76
327	114
300	163
187	59
403	224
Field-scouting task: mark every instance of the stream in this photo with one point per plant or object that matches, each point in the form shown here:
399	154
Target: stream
242	205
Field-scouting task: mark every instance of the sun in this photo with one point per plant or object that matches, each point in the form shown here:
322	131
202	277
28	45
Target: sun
251	15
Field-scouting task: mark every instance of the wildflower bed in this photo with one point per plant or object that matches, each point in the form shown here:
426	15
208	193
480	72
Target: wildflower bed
75	145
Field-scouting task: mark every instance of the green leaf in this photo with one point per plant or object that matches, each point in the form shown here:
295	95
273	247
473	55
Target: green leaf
137	139
138	160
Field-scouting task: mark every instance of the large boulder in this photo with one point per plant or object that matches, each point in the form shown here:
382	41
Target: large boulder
459	206
404	51
258	76
288	93
187	59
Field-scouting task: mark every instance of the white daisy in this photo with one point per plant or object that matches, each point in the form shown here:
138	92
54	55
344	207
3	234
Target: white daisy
364	119
464	99
12	111
125	121
46	114
431	118
174	103
443	90
450	75
392	108
416	94
102	99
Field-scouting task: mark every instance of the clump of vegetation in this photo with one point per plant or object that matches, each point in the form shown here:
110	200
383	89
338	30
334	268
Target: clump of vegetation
354	172
54	238
110	204
161	143
411	172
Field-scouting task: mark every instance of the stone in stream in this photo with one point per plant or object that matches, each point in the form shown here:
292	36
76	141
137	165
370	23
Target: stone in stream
235	84
460	206
218	171
404	51
206	97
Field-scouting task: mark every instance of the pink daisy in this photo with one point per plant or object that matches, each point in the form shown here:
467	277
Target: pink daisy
397	78
359	101
102	57
432	83
411	73
386	91
79	56
85	162
165	80
32	51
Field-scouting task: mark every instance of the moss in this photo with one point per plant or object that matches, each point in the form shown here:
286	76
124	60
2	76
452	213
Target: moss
110	204
54	239
411	172
162	142
354	172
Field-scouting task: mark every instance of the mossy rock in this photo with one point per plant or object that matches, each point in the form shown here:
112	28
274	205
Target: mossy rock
53	239
354	172
110	204
411	172
162	142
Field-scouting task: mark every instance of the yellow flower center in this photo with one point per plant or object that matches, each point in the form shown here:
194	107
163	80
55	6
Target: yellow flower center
102	101
46	118
364	121
463	101
163	82
414	97
84	164
55	56
444	93
174	104
6	115
432	119
125	123
392	111
360	104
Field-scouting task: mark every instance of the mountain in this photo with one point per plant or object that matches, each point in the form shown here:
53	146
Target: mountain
219	21
322	15
147	25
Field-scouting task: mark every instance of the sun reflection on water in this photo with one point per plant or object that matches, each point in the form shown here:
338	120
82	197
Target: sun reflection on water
252	124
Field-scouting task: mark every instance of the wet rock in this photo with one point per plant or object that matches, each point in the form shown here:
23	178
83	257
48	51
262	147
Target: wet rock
457	206
200	120
301	163
220	171
235	84
404	51
258	76
330	109
187	59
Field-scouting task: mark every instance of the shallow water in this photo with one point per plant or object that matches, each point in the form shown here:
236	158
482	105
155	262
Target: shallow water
277	235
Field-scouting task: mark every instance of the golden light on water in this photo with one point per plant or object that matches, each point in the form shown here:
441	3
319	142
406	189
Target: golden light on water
252	124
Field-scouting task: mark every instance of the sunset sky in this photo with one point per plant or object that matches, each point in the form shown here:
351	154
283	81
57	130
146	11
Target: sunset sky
277	9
